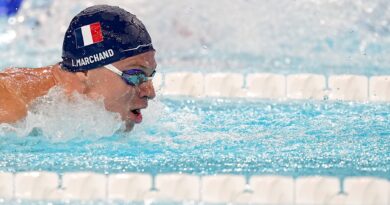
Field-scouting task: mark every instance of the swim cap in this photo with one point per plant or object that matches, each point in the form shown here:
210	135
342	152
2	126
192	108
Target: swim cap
100	35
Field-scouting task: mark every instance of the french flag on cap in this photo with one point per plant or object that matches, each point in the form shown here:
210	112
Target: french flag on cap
88	35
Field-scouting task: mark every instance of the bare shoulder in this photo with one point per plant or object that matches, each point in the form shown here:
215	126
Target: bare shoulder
19	87
12	72
12	106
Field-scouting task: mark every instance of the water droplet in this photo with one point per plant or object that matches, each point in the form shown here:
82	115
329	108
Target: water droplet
12	21
21	19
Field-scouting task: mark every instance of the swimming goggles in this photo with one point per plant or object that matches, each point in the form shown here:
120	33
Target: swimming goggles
133	77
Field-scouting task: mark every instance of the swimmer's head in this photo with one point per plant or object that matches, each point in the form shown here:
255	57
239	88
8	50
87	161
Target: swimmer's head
109	37
100	35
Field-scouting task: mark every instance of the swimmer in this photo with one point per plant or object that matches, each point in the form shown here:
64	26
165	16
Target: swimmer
107	54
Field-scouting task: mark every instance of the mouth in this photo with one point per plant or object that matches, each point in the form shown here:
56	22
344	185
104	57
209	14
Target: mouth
136	115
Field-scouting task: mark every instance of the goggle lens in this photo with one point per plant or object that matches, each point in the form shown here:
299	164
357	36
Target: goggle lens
136	77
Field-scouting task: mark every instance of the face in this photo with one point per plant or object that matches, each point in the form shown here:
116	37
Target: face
119	97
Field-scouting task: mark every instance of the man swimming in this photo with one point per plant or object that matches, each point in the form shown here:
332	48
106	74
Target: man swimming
107	53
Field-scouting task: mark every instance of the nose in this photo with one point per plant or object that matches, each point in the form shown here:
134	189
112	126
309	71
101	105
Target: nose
146	90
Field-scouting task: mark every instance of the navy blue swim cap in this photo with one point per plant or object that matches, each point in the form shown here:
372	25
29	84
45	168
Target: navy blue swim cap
100	35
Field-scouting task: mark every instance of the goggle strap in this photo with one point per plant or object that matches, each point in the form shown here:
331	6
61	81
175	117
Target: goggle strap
113	69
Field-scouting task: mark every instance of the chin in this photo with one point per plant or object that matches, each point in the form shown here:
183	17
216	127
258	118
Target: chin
129	125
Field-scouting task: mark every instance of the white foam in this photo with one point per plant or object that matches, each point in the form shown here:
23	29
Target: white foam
61	118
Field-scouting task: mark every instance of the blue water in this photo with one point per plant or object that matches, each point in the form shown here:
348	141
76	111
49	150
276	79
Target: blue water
212	136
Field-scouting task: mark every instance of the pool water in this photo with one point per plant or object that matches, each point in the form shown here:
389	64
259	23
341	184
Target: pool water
205	136
310	36
214	136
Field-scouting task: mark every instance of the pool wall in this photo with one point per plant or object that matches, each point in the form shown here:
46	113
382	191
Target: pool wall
276	86
176	187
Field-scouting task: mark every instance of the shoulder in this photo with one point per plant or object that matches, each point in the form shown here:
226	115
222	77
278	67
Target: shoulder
20	86
12	106
29	83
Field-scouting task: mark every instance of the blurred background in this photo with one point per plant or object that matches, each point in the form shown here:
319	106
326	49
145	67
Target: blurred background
301	36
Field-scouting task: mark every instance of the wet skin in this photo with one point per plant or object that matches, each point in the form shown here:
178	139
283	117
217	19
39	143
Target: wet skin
19	87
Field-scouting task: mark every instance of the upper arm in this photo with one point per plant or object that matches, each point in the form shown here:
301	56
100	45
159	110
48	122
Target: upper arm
12	107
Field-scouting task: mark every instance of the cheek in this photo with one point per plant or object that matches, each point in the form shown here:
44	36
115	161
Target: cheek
119	99
111	88
117	95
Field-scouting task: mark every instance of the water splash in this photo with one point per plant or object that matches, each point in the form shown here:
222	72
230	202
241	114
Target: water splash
59	118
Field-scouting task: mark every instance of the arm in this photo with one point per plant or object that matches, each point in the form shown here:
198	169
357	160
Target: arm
12	107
